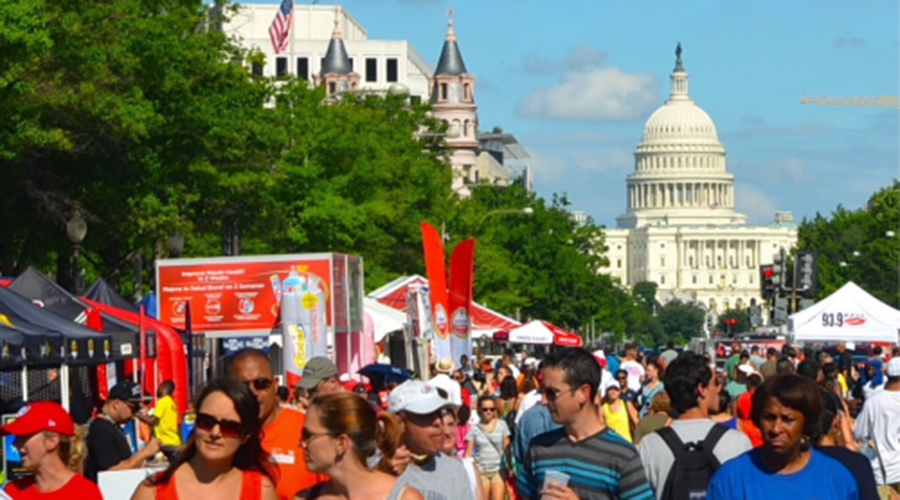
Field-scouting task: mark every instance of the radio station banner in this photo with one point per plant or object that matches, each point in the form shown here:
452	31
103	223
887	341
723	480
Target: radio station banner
236	294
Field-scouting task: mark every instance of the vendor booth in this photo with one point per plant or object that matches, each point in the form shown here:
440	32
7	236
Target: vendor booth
848	315
539	332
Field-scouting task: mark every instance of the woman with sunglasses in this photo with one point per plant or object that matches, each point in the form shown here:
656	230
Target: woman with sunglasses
488	442
340	433
222	458
448	447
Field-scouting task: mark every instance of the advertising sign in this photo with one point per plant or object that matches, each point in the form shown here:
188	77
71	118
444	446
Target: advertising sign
231	295
12	461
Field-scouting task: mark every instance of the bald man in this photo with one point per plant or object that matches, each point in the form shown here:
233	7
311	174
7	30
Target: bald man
281	425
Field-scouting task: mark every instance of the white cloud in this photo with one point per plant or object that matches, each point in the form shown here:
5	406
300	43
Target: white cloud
582	56
593	94
757	205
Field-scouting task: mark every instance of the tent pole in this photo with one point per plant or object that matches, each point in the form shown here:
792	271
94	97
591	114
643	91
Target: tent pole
25	383
64	385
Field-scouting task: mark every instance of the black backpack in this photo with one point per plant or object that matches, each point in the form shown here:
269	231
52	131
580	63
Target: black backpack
693	466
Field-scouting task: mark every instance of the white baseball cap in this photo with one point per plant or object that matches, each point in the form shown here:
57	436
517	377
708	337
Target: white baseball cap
450	386
893	367
746	369
416	397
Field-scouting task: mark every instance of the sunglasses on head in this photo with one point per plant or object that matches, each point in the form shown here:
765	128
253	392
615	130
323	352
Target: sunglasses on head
228	428
260	384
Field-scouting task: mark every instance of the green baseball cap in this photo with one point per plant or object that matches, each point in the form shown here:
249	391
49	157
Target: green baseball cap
316	370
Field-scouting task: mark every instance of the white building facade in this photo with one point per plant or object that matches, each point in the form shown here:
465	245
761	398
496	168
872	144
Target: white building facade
327	46
680	229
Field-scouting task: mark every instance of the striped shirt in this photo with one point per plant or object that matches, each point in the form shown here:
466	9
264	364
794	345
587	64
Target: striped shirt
603	466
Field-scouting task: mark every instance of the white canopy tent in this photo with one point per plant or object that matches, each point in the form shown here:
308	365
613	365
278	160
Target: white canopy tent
384	319
848	315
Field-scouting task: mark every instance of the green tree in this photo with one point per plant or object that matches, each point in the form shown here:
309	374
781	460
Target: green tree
645	291
734	321
681	320
856	245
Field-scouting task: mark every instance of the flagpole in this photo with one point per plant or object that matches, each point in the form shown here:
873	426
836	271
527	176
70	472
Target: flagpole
293	60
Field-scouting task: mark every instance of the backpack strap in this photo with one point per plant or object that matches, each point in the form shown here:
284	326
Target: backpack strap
676	445
712	438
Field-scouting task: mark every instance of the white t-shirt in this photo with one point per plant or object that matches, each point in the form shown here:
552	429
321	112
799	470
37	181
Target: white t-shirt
606	380
635	372
530	399
880	420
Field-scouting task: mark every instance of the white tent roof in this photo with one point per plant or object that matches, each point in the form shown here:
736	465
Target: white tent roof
385	319
848	315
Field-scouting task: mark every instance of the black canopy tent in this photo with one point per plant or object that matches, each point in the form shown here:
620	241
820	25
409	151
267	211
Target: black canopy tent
81	345
35	285
102	292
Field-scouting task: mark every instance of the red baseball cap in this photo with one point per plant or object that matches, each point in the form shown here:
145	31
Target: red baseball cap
40	416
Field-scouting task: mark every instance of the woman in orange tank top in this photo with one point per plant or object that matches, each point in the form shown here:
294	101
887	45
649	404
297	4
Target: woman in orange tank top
222	458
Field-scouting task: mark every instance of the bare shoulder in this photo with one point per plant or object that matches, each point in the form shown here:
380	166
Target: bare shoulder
410	493
145	491
268	490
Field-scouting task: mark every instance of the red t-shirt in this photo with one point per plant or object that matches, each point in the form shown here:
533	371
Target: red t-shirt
77	487
281	440
743	414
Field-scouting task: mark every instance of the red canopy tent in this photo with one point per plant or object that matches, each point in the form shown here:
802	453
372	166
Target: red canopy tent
538	332
484	320
170	353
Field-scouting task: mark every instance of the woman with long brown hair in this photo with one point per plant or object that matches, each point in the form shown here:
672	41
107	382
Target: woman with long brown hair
53	449
223	458
340	433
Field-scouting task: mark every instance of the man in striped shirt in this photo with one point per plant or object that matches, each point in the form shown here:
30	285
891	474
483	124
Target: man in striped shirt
599	463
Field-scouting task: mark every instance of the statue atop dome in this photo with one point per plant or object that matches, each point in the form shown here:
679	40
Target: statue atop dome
678	66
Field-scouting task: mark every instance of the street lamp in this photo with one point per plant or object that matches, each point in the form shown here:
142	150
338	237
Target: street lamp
176	244
76	230
523	211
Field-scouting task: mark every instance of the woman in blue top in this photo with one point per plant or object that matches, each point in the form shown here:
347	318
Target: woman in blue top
786	409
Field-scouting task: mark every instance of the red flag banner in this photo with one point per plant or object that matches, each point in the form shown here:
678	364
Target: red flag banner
462	262
437	279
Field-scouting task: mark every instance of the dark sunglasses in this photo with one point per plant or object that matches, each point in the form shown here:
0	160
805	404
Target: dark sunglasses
489	409
260	384
553	394
228	428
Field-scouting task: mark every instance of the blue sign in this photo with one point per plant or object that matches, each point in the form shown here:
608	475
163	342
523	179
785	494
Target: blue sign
234	344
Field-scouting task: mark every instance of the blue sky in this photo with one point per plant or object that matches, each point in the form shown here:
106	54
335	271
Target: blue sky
575	81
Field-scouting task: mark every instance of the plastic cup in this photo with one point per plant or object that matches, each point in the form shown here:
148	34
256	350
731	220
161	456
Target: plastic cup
557	477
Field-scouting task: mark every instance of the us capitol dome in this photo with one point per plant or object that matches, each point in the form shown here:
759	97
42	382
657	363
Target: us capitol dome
679	169
680	229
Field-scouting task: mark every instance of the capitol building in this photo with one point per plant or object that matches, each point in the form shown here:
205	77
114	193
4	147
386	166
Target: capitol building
680	229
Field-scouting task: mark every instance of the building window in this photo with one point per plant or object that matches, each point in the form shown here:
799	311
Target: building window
710	280
691	260
256	69
443	92
392	70
662	280
662	245
332	88
707	261
281	67
751	278
351	64
618	247
619	263
662	262
303	68
415	100
734	279
371	69
731	261
694	279
466	90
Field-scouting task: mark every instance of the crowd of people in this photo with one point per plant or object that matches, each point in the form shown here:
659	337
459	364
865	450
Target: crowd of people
572	424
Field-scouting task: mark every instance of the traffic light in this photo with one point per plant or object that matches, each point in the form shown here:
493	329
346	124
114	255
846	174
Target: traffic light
779	266
766	283
806	272
780	311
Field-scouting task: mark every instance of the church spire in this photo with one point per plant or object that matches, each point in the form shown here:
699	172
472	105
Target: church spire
450	62
679	79
336	59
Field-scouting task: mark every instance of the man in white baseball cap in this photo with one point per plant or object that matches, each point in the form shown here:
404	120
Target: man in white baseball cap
421	408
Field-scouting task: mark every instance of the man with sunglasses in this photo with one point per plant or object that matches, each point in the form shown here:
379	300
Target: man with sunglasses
281	425
421	408
584	445
107	446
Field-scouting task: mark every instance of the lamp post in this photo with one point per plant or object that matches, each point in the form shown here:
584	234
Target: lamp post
76	230
523	211
176	244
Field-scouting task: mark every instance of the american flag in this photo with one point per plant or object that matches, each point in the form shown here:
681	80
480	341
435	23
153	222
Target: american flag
280	30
